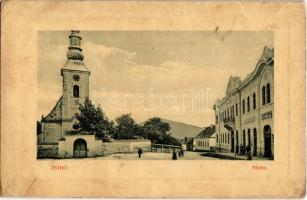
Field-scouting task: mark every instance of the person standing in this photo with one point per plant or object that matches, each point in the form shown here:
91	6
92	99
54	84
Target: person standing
174	157
182	152
140	152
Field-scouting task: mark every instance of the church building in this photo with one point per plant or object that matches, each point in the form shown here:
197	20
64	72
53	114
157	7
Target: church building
57	138
62	117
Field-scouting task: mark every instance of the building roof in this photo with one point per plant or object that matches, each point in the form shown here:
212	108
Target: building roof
235	83
78	132
267	58
190	139
74	53
55	114
76	65
207	132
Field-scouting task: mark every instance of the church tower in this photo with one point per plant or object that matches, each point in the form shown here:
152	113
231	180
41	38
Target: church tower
75	78
75	90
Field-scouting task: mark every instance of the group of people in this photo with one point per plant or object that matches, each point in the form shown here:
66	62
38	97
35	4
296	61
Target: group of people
180	154
244	150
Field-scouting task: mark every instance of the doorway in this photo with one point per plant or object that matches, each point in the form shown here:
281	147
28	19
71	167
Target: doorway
267	141
80	148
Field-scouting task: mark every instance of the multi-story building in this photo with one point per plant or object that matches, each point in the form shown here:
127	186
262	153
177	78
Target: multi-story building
244	117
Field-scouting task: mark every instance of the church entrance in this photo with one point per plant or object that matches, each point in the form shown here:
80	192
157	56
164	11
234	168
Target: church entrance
267	141
80	148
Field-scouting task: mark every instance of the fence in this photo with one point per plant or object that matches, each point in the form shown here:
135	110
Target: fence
164	148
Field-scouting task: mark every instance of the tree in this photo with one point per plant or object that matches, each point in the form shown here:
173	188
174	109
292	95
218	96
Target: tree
155	130
93	120
126	127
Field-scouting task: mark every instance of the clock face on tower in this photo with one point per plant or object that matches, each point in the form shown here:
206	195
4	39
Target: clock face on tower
76	77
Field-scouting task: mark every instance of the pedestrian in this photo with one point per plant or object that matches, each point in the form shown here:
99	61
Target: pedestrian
140	152
182	152
174	157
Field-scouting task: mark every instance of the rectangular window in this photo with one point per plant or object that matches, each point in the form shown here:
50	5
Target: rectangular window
254	101
263	95
243	106
236	109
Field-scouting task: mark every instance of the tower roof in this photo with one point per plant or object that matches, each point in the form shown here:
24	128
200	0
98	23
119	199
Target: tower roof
74	53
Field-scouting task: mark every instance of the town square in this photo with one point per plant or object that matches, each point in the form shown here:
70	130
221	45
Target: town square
166	122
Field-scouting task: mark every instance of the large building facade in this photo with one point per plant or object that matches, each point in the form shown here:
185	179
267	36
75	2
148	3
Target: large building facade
62	117
244	118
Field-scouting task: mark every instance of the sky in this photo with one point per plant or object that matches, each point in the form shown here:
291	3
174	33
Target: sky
177	75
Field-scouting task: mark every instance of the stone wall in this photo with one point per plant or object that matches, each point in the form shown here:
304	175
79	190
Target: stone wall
98	148
125	146
47	151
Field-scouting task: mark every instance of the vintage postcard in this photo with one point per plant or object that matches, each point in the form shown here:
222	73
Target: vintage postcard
155	95
153	99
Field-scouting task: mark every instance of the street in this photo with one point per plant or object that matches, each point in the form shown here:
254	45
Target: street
188	155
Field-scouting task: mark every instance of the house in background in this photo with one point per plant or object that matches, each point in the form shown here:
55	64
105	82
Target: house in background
187	144
205	140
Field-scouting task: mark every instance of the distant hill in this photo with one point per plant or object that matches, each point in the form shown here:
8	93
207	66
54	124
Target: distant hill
180	130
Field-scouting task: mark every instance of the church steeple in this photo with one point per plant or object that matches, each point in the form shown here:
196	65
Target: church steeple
74	50
74	53
75	78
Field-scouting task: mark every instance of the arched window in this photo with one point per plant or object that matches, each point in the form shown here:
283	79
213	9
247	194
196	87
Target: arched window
268	91
243	106
236	109
76	91
248	104
263	95
254	101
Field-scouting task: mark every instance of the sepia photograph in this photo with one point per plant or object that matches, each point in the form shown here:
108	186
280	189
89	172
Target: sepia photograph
155	95
153	99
